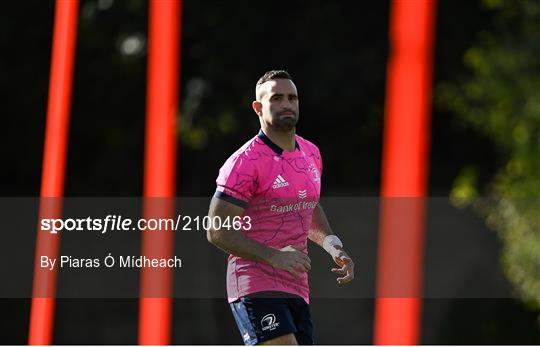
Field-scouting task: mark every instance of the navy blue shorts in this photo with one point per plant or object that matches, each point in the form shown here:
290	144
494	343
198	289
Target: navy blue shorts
264	316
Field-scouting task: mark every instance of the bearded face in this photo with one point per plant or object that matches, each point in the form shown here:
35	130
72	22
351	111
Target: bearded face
278	104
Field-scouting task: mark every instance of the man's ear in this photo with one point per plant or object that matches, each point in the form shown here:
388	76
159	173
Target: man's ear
257	107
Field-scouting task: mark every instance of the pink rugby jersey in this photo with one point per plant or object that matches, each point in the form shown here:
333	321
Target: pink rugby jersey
279	190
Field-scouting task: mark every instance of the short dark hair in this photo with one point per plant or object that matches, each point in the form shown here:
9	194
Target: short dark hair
274	75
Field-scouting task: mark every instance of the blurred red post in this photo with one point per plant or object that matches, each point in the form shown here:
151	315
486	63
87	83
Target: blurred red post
404	173
53	171
160	167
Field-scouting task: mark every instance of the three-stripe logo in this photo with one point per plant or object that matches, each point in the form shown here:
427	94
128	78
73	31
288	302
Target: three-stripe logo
279	182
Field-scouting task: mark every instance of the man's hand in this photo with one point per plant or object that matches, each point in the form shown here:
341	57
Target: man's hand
291	259
346	266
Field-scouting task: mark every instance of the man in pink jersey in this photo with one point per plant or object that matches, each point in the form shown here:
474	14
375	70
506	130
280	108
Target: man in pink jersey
272	185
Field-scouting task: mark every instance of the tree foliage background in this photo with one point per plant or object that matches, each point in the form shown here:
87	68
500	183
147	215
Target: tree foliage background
500	98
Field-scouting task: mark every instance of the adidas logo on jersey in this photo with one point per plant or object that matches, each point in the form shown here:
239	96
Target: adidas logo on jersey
279	182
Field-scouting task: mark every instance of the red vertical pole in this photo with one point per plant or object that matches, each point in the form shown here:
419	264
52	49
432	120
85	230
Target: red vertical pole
53	171
404	173
160	166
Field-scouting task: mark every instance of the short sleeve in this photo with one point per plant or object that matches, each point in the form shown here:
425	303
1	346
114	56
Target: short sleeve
237	181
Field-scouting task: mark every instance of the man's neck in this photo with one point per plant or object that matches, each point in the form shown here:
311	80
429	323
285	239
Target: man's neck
284	139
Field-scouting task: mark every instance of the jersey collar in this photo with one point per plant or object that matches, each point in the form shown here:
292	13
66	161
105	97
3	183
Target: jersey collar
272	145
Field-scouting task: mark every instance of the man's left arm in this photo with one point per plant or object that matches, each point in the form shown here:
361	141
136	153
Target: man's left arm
321	233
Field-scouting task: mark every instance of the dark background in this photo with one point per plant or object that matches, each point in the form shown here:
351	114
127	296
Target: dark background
337	54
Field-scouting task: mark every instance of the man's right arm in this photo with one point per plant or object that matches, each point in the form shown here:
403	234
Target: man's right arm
236	243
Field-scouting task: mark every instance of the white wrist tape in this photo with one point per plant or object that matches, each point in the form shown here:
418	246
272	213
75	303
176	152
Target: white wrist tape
329	242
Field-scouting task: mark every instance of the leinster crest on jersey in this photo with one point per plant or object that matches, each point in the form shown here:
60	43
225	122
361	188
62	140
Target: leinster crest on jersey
315	172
